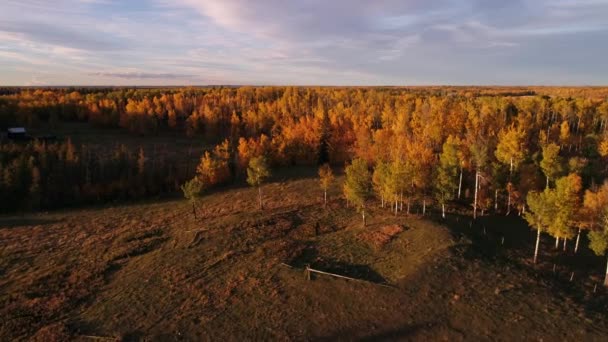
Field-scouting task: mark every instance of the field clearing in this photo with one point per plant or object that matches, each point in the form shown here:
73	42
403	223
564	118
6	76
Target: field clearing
151	271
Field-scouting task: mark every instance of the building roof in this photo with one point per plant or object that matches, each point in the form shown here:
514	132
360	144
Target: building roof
16	130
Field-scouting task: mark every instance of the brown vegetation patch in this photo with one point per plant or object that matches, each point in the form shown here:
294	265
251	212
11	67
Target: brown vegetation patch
380	237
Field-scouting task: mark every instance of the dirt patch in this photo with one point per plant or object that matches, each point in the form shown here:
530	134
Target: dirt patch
380	237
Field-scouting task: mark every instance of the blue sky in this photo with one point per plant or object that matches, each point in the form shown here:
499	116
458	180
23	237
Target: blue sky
320	42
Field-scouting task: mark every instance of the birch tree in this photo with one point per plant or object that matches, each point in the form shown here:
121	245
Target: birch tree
598	242
541	207
510	151
567	203
357	185
446	182
192	190
257	172
551	164
326	178
381	181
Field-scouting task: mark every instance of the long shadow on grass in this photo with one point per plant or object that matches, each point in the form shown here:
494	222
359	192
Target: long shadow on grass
507	241
13	222
405	332
310	257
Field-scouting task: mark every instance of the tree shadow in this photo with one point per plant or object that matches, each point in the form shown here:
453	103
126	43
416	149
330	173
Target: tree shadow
14	222
508	241
309	256
405	332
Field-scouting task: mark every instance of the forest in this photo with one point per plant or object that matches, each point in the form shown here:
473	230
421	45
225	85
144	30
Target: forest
537	152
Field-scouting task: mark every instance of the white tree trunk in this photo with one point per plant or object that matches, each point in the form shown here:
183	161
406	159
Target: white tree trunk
606	278
423	207
460	183
537	244
443	210
508	202
496	200
363	213
556	242
578	239
260	196
565	243
325	198
475	199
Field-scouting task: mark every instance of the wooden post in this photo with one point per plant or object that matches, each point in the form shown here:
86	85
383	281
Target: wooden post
307	272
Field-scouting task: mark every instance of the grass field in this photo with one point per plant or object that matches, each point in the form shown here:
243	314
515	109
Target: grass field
151	271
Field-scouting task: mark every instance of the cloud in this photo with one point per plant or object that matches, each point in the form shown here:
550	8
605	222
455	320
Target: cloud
141	75
305	42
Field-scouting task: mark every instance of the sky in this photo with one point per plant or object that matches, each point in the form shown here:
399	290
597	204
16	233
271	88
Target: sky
305	42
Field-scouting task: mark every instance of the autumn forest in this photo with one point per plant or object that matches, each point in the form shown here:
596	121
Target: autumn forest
537	155
541	153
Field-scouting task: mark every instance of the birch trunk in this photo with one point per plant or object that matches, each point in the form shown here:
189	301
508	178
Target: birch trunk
496	200
460	183
556	242
443	210
578	239
325	199
537	244
508	202
475	199
363	213
606	278
565	243
260	197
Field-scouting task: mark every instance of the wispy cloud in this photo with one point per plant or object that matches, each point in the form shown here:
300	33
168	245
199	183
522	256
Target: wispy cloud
304	42
142	75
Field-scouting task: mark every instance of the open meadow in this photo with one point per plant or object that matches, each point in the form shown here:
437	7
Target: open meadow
151	271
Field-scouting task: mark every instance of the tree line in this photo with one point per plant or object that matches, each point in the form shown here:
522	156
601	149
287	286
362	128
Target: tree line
538	152
39	175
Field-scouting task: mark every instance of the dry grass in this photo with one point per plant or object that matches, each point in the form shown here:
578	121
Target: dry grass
378	238
150	271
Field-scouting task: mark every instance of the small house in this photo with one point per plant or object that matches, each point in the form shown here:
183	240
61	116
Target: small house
17	133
